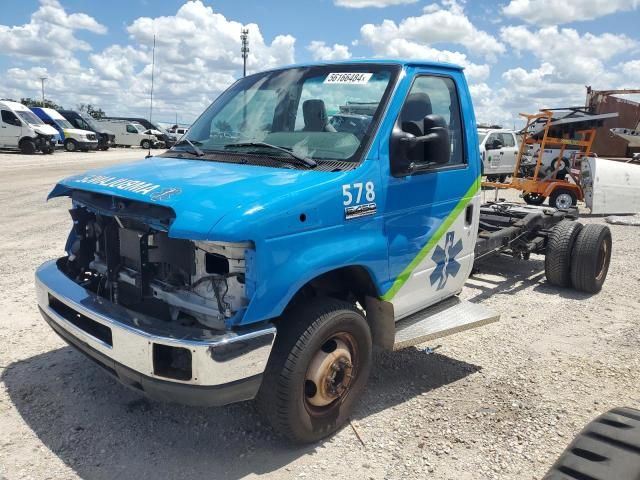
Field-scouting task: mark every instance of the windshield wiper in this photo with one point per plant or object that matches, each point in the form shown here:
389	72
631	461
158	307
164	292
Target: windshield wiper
304	160
195	151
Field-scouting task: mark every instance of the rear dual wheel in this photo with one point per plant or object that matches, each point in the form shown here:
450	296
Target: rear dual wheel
578	256
318	369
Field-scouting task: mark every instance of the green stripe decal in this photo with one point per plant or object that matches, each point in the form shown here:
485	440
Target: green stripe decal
406	273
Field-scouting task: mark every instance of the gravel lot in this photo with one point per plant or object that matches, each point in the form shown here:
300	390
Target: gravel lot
498	402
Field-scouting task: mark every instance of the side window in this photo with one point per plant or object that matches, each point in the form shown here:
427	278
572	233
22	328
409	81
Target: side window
507	140
10	118
131	129
493	138
436	95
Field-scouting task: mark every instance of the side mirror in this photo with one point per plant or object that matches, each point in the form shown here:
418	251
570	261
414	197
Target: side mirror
418	147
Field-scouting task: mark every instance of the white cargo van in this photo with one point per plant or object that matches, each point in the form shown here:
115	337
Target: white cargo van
499	150
131	134
21	129
73	139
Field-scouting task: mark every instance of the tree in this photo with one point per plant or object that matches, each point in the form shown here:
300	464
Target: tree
95	112
31	102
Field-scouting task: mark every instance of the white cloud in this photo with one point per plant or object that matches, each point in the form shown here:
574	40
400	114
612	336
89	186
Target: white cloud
197	57
553	12
439	24
49	33
371	3
321	51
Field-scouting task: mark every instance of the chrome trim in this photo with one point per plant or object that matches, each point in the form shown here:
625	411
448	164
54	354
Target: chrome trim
217	357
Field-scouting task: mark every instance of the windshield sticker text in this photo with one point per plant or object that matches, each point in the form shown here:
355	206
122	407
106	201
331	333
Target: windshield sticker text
126	184
348	78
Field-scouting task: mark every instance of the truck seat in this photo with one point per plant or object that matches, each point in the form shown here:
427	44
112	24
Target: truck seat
315	117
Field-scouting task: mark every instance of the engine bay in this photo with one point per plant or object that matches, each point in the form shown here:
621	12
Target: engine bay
120	250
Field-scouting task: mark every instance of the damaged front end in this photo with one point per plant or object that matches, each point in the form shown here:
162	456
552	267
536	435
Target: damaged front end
120	250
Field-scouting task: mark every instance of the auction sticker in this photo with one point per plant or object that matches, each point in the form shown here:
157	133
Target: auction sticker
346	78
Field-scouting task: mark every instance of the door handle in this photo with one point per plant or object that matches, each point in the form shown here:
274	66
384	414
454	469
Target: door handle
468	215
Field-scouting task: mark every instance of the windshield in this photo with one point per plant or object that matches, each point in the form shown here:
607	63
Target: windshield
321	112
481	137
62	123
90	122
29	117
139	127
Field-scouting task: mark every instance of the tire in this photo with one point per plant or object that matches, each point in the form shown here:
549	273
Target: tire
534	198
70	145
557	260
590	258
312	336
492	178
502	178
146	144
563	198
28	146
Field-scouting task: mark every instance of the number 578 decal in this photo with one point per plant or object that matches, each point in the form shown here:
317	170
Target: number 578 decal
358	199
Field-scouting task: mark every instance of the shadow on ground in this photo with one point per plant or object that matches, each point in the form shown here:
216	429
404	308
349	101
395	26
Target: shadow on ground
103	430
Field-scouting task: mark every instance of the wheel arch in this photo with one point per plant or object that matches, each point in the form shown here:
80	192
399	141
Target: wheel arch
566	186
354	284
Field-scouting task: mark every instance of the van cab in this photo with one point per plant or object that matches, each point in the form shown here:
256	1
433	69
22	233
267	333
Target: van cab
73	139
85	121
21	130
499	150
132	134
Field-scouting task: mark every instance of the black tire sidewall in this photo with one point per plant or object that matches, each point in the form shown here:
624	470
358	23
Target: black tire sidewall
28	147
70	142
291	358
560	191
533	199
146	144
584	262
557	261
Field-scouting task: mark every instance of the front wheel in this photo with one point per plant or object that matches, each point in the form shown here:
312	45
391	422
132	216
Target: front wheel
318	369
146	144
70	145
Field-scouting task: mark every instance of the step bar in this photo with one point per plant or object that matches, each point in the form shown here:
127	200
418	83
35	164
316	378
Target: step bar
445	318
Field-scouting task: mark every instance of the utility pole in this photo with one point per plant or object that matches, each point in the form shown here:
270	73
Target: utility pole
42	79
153	67
244	37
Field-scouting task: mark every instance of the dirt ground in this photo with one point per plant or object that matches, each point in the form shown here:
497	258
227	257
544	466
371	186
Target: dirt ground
501	401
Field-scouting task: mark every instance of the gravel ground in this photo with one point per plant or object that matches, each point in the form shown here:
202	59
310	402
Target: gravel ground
501	401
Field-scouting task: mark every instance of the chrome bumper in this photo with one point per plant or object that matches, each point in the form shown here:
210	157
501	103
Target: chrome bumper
155	356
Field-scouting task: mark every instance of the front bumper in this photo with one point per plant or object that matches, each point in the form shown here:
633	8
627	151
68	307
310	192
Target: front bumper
88	145
165	360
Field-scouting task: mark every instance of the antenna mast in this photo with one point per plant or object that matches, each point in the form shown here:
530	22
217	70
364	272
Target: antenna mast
244	37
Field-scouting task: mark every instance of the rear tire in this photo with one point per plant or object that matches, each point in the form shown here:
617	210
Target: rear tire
318	369
557	260
534	198
563	198
591	257
28	146
70	145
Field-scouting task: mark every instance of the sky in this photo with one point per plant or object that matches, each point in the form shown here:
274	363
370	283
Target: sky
519	55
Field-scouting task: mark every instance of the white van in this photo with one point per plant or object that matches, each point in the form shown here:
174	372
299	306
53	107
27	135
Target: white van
130	134
21	129
73	139
499	151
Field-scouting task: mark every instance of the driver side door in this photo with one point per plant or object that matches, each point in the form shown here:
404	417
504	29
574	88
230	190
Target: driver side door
10	129
431	214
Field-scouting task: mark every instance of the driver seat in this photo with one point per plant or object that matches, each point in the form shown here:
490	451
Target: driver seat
315	117
416	107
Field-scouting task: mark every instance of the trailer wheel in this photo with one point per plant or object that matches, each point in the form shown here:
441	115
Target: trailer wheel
563	198
70	145
591	257
28	146
317	370
557	260
533	198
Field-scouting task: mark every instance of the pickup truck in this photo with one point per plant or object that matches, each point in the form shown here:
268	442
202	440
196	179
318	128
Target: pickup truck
267	253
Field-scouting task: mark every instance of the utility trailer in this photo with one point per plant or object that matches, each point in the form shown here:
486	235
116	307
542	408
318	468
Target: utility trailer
269	251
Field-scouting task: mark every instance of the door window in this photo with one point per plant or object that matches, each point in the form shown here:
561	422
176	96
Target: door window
507	140
131	129
9	118
435	95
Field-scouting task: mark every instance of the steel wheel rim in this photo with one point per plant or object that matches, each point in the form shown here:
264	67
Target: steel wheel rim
602	260
564	200
331	374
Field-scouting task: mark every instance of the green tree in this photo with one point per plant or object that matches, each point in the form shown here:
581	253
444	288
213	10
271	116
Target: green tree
95	112
32	102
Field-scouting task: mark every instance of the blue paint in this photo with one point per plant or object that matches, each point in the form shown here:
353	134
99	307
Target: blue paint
235	202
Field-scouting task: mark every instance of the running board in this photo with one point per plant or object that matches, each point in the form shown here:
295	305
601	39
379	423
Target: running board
445	318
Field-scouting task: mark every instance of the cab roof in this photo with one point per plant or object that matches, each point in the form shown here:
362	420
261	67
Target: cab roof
377	61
